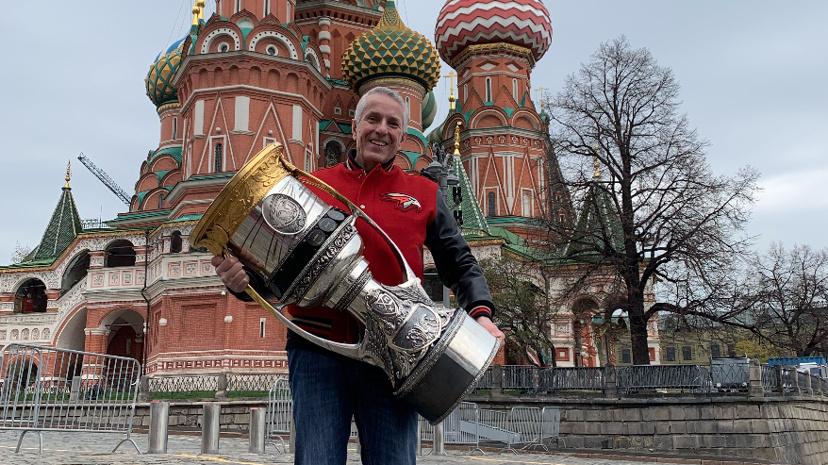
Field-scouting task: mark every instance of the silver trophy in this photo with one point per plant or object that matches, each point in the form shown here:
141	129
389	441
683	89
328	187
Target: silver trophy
310	254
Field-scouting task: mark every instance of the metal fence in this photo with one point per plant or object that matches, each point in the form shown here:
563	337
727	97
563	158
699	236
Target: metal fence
279	414
663	379
553	380
460	428
718	379
45	389
183	383
207	385
467	425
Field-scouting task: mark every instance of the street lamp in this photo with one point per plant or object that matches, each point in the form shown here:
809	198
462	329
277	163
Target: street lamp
440	171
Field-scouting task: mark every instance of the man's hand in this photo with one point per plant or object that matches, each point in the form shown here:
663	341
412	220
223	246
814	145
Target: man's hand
492	328
231	272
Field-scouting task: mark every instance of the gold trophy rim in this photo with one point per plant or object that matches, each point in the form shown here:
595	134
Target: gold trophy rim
239	196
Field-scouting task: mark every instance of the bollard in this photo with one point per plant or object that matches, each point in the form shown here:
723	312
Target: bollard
159	419
256	430
74	391
210	428
439	446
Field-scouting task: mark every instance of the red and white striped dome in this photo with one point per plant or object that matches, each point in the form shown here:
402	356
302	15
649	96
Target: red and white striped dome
462	23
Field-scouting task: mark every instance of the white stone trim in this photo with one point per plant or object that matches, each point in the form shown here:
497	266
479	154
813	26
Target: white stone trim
278	36
205	46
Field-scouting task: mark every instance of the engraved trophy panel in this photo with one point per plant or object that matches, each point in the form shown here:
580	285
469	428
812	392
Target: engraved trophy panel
274	228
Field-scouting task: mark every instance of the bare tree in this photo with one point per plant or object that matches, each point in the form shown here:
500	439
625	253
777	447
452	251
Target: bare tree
658	210
524	306
20	252
790	303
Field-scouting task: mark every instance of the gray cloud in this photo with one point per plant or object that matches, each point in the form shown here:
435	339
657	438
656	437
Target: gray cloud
752	75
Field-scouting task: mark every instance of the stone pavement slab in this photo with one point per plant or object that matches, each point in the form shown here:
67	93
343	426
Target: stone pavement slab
96	449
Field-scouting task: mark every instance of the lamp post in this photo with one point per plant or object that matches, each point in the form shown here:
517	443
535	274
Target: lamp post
440	171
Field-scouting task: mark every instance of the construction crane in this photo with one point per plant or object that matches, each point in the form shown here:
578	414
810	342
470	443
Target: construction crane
104	178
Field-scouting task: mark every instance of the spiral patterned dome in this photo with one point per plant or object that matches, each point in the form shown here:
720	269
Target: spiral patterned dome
391	49
159	78
462	23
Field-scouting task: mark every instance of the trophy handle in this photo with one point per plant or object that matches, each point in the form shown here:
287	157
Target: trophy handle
348	350
409	273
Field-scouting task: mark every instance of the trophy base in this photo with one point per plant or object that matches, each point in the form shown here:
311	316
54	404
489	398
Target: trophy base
449	373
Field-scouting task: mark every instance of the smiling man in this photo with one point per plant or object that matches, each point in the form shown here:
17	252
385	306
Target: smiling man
329	389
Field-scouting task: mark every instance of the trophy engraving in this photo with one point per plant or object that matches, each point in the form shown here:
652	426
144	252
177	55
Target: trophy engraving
283	214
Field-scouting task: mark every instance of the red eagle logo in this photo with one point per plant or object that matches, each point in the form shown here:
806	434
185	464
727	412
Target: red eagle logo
403	201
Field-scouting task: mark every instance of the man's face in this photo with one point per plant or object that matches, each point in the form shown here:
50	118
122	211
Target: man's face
379	132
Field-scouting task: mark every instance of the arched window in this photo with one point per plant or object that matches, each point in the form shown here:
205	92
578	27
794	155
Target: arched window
333	153
266	7
488	90
491	204
75	272
515	89
175	242
218	158
174	127
31	297
119	253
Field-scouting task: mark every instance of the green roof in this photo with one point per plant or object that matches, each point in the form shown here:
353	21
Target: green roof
473	219
419	135
61	230
174	151
190	217
598	230
412	157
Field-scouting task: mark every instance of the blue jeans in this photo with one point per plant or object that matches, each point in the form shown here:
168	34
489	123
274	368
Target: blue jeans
327	390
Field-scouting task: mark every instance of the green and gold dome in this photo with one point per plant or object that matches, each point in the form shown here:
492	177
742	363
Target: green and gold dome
391	49
160	76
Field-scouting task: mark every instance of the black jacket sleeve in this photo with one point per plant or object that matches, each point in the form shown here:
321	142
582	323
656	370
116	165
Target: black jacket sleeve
257	284
456	266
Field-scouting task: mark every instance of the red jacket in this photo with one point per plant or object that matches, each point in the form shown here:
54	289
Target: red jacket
410	209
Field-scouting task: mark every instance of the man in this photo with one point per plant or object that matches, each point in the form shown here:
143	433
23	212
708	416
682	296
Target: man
329	389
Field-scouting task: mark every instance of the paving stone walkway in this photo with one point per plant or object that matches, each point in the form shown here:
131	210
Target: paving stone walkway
96	449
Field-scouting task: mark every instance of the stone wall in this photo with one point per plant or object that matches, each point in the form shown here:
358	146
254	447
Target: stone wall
778	429
235	416
782	429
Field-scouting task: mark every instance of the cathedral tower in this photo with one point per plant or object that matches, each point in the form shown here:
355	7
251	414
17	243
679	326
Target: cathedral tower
493	46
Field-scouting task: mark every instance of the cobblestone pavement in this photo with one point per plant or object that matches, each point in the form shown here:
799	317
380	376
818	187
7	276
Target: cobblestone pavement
96	449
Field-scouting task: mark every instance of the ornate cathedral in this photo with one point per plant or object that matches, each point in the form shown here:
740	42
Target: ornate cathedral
291	71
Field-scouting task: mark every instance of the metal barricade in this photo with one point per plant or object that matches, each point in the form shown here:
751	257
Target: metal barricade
279	414
460	427
493	426
47	389
526	424
550	423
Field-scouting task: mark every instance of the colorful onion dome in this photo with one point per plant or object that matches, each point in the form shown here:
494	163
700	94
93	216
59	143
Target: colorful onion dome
160	76
461	23
391	49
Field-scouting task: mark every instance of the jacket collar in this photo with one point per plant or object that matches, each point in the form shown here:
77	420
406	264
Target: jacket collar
352	165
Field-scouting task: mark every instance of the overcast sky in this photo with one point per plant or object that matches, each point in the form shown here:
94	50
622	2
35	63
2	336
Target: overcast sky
753	75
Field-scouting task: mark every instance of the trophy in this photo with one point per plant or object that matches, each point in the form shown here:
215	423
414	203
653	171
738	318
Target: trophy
309	253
